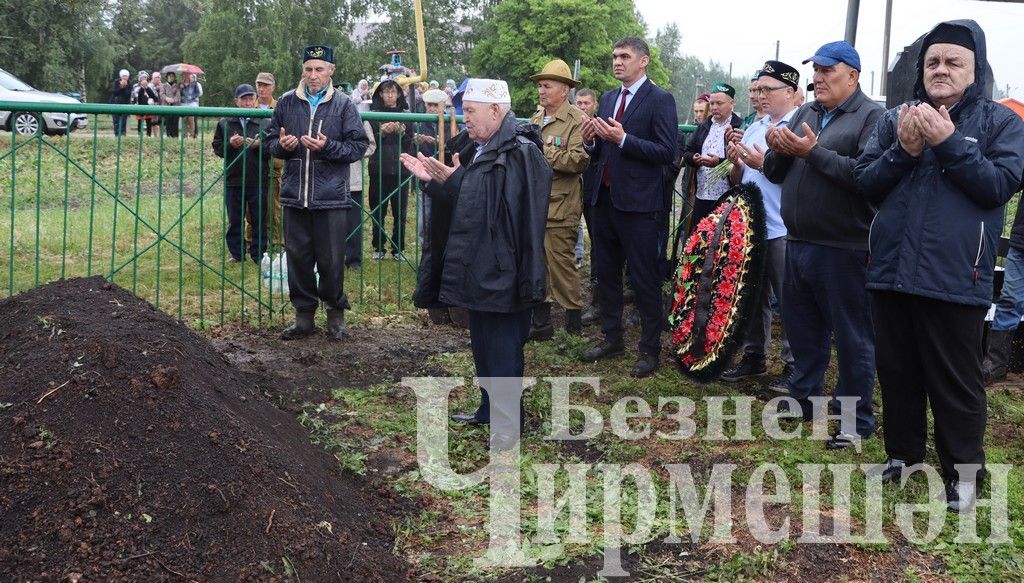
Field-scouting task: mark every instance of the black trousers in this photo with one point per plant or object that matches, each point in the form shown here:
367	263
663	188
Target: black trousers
930	352
171	125
497	342
315	238
382	195
240	201
624	237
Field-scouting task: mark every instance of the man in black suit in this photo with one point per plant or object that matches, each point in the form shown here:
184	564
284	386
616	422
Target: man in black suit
632	138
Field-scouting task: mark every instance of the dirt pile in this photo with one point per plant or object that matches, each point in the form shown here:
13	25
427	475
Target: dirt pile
130	449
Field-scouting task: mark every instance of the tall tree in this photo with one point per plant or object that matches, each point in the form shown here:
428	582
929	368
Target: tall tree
236	39
691	77
58	46
523	35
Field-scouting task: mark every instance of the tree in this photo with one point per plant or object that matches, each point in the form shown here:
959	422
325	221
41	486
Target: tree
690	76
523	35
451	29
236	39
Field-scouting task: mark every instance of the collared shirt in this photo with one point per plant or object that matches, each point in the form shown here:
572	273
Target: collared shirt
770	193
828	115
714	144
629	99
315	99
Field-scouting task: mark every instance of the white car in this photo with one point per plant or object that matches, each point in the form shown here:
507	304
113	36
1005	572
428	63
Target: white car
27	123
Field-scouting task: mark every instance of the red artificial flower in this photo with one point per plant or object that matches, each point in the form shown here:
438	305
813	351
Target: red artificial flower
726	288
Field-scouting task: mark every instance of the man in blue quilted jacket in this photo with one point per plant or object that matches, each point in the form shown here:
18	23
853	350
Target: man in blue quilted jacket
317	132
941	169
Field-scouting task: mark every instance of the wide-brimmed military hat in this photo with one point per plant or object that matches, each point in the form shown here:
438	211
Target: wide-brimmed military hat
556	70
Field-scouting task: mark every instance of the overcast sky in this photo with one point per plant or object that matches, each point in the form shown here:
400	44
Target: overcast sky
743	32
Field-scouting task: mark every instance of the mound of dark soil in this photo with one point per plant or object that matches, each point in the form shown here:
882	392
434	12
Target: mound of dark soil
131	450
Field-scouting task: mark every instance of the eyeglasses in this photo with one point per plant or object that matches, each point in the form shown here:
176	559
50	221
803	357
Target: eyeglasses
766	90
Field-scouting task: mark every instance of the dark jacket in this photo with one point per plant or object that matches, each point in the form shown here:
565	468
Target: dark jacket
941	213
145	96
696	142
317	180
390	146
251	167
820	202
1017	234
491	258
636	170
121	95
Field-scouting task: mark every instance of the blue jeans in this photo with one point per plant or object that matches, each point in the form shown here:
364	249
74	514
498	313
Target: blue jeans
825	295
1010	306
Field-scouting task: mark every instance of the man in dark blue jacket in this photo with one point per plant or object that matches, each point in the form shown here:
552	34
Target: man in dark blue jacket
246	173
317	132
941	169
631	140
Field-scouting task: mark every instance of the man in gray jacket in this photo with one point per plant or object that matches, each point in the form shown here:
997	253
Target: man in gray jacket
317	132
827	225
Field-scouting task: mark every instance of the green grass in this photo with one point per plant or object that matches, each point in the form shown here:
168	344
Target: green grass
151	219
386	423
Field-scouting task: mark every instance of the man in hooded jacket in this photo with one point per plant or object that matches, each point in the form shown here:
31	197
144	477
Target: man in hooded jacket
494	200
941	170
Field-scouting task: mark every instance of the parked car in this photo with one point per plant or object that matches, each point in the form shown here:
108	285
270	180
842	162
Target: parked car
27	123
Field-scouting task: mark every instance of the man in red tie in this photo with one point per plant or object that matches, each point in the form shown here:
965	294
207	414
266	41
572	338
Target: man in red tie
632	138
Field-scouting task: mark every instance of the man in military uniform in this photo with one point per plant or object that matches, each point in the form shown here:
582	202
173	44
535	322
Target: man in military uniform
563	148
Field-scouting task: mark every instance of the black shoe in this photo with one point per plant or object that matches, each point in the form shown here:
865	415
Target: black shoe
890	471
749	366
960	496
841	441
784	412
645	366
591	315
605	349
469	419
780	384
336	324
301	328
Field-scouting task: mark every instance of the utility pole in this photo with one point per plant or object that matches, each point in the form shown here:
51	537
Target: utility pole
776	50
882	87
730	71
872	83
852	11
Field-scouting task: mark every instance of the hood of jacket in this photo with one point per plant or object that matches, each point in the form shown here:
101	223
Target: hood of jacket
377	101
975	90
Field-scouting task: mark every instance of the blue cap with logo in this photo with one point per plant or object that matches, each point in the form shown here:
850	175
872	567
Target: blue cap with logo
836	52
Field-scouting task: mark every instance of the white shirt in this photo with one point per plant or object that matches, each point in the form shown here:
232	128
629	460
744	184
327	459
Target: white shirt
771	194
629	99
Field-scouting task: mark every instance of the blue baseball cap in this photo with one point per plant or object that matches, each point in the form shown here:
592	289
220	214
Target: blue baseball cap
243	90
836	52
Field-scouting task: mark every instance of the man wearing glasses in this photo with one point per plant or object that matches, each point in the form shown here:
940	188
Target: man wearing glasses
775	92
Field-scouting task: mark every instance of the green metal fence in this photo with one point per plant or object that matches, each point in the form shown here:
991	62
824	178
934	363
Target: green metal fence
149	214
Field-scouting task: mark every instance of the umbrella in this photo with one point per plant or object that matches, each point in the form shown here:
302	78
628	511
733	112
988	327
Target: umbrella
179	68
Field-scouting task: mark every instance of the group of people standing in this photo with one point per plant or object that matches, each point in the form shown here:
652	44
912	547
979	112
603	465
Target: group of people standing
155	90
881	226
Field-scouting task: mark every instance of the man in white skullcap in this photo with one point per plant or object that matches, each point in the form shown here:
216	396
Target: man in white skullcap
491	261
